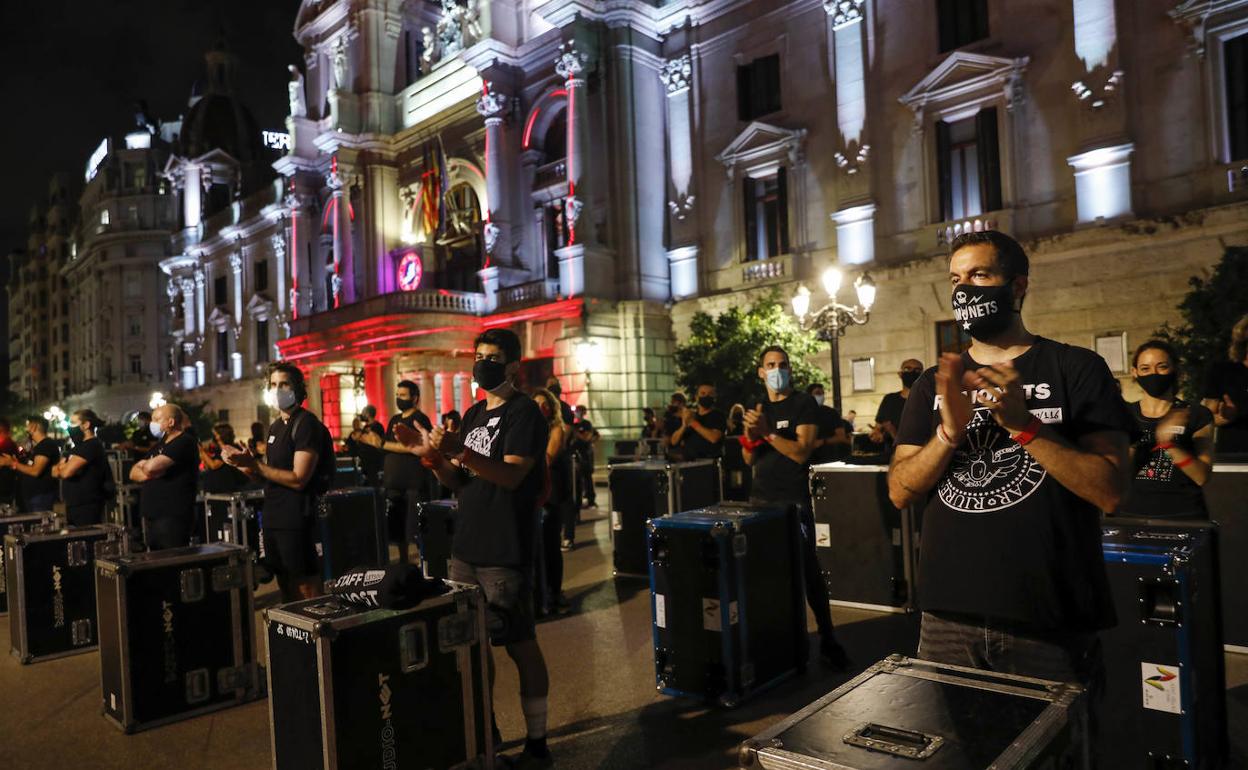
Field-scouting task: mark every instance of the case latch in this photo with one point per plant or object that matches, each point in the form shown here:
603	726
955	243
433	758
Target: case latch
191	582
76	553
80	632
227	577
236	677
456	631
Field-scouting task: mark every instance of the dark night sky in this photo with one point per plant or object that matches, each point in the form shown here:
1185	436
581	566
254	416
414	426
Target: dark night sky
71	71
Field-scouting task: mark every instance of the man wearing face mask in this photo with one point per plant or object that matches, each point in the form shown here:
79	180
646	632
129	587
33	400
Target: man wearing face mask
833	442
888	416
497	465
84	471
405	479
701	432
780	436
169	475
1014	447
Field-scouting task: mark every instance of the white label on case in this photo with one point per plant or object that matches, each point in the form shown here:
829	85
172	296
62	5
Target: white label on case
823	535
732	614
1160	684
660	611
896	537
615	521
710	615
112	701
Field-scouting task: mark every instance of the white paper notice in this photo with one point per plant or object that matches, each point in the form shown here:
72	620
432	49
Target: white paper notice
710	615
823	535
660	611
1161	687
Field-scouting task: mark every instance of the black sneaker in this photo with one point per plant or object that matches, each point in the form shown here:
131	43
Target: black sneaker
833	655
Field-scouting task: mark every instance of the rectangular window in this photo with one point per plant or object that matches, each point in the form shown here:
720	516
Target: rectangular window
951	338
969	166
135	324
262	342
220	291
758	87
961	22
766	216
1235	58
223	352
65	360
136	364
260	275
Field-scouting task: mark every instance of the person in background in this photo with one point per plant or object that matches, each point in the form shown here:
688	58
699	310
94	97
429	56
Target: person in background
835	434
371	457
1226	394
1173	456
548	589
451	421
140	440
736	420
675	409
584	437
565	411
780	435
701	432
850	417
170	476
84	472
256	444
650	428
35	481
8	449
218	476
888	416
406	481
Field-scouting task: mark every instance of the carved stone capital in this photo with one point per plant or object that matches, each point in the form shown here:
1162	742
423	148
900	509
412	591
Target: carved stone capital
844	12
278	242
676	73
490	233
236	261
1097	97
572	207
570	63
491	104
682	207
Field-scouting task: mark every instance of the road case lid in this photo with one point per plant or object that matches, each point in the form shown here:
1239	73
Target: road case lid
170	557
328	615
723	515
42	534
843	467
659	464
242	494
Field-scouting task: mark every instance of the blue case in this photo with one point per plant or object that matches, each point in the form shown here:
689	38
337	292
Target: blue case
727	601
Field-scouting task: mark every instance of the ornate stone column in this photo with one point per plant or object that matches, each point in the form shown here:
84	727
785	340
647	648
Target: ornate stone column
570	65
676	75
200	304
187	287
299	296
236	272
491	106
343	280
191	195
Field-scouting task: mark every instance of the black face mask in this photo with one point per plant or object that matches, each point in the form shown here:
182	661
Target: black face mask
75	434
983	311
489	374
404	404
1156	385
909	378
706	402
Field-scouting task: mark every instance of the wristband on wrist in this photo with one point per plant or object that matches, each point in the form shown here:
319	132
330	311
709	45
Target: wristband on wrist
1186	461
748	444
1163	446
943	437
1024	436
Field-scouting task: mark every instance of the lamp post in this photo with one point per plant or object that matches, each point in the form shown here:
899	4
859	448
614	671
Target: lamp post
833	319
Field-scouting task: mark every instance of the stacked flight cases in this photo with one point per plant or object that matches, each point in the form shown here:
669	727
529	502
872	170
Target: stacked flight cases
641	491
15	523
1226	495
904	713
353	687
234	518
865	546
435	531
727	601
50	580
352	530
177	634
1165	678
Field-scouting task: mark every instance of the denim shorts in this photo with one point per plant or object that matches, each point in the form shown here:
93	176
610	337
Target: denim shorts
508	599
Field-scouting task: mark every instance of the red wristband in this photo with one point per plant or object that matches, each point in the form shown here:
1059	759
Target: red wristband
1163	446
1185	462
750	445
1024	436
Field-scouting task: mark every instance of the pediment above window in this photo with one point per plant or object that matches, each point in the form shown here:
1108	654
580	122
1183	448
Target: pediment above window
964	78
761	148
260	306
218	319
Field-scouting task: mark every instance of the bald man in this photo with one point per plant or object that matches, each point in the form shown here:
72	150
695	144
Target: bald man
888	416
169	475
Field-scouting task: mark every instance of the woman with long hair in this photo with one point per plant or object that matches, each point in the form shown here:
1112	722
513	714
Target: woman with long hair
548	588
1173	456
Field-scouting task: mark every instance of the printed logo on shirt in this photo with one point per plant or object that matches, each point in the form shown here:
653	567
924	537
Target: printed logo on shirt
481	439
1050	416
272	439
990	472
1160	466
493	422
780	424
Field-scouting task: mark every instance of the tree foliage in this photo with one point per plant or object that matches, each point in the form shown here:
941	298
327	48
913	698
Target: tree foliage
201	417
723	350
1209	311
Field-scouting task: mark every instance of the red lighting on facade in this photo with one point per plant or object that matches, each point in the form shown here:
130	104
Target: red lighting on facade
410	271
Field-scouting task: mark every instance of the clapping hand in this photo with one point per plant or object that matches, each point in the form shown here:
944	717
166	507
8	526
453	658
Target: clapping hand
239	458
755	422
955	408
686	416
416	439
1172	425
1007	403
1225	412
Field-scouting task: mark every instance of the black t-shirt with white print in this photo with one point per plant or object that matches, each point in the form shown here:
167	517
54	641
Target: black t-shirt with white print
777	479
1002	539
1160	490
496	527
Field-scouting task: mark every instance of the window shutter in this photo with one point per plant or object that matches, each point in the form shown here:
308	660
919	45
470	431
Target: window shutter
782	208
1236	67
751	218
947	24
743	92
944	175
989	158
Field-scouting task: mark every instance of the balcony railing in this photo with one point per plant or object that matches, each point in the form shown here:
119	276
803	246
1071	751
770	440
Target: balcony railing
397	303
992	220
542	290
765	270
550	175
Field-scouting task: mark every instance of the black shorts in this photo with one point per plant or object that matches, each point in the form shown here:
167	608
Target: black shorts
508	599
401	514
292	551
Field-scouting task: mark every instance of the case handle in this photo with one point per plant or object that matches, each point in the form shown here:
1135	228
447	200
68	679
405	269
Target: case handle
897	741
413	647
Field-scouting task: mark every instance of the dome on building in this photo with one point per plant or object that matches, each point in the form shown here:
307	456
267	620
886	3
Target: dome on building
219	121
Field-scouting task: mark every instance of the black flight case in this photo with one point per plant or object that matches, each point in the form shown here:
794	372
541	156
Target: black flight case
435	529
177	634
865	546
50	577
1226	495
1165	695
353	687
727	600
644	490
15	523
904	713
351	527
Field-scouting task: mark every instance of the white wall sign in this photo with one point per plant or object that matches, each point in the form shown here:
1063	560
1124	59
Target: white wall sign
275	140
97	157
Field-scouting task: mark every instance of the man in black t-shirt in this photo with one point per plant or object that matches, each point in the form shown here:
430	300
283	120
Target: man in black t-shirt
835	434
170	476
371	456
584	436
1014	447
780	435
497	464
406	481
675	408
84	471
36	486
888	416
1226	395
297	449
701	432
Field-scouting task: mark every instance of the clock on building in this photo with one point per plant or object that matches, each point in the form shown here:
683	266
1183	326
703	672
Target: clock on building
410	271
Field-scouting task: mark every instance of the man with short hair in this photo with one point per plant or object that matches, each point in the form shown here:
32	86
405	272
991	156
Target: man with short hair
835	434
584	437
84	471
556	390
170	477
780	435
1014	447
298	461
672	417
701	432
406	481
888	416
497	465
35	483
371	456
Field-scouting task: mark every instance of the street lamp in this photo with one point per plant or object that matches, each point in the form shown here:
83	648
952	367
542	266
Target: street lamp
833	319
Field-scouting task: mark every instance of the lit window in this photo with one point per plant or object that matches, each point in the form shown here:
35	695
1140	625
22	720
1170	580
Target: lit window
766	216
104	217
969	166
